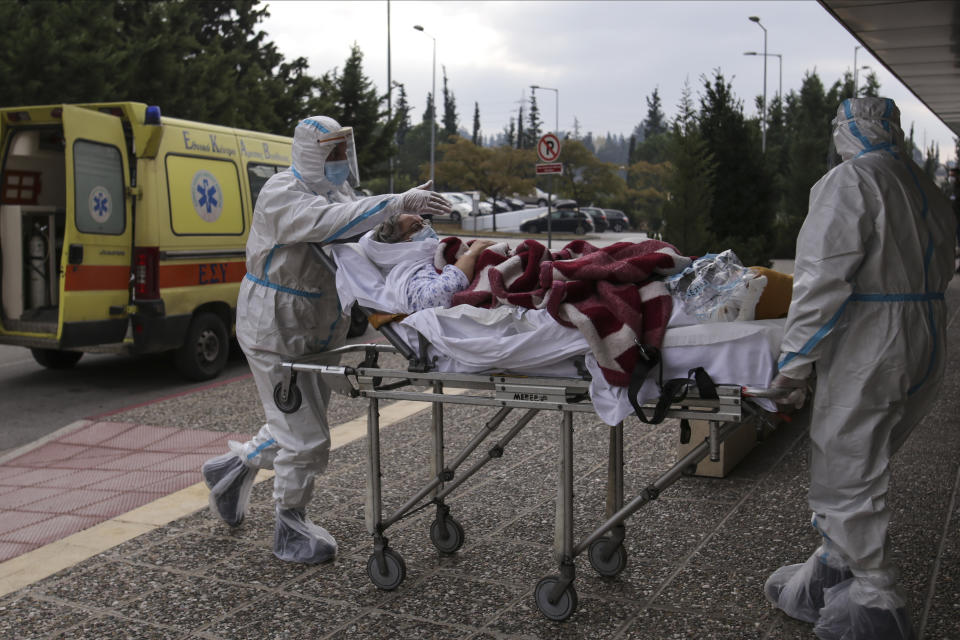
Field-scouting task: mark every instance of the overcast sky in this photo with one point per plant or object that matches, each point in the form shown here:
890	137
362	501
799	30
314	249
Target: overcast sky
604	58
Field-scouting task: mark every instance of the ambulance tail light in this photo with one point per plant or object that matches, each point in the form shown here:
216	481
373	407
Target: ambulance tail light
146	273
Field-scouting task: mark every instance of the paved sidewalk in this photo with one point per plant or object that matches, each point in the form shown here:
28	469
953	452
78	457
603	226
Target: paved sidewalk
697	560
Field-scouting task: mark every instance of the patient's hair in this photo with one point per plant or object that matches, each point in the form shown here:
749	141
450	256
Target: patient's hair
389	230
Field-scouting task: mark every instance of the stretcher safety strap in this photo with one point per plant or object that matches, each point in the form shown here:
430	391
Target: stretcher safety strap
673	391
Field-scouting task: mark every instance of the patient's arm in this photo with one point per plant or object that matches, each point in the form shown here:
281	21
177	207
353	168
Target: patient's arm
468	260
427	289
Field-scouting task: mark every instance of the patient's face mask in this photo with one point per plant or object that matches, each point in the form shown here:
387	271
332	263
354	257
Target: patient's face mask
336	171
424	233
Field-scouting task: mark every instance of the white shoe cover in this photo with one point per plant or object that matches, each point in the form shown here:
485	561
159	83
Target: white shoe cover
297	539
858	610
798	589
230	482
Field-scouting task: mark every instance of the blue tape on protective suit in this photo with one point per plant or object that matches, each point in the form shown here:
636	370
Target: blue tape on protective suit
263	446
316	125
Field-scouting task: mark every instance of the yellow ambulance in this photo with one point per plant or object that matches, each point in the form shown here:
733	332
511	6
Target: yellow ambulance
123	230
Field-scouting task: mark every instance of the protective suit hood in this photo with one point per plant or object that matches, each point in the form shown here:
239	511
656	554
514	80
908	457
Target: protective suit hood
867	124
313	140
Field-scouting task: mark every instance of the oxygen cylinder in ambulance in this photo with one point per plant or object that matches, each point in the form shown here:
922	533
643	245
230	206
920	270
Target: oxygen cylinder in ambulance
37	253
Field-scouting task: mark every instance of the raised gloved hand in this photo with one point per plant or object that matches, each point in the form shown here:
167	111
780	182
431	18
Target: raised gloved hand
422	201
795	393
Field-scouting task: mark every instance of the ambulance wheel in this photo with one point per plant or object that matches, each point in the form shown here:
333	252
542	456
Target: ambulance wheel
293	400
446	539
562	608
607	567
204	352
56	359
396	570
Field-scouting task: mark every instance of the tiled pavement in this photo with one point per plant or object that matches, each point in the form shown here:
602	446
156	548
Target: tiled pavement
697	557
91	474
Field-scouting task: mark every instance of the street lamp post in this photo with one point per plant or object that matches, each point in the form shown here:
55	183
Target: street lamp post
763	139
780	59
855	49
389	99
433	93
556	93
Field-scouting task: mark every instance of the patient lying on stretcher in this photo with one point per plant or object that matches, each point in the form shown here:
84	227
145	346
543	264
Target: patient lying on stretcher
410	265
529	310
714	288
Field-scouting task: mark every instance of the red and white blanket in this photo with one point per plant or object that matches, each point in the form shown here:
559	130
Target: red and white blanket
608	293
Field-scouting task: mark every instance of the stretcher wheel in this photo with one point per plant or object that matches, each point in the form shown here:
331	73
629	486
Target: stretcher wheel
294	398
563	608
608	567
396	570
446	539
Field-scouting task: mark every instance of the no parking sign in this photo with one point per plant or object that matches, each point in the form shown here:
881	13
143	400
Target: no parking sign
548	148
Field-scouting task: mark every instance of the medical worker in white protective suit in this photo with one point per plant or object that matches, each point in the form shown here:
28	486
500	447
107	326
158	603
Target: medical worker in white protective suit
288	307
874	258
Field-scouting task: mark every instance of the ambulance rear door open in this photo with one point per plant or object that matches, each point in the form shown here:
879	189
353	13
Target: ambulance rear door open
98	240
65	229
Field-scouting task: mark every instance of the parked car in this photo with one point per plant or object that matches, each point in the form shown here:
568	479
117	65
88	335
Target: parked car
617	220
462	205
536	199
560	220
511	204
483	203
599	217
499	206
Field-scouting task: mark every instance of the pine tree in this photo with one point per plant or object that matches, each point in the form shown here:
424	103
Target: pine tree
477	138
428	111
871	87
203	61
534	124
510	133
931	161
402	110
690	185
521	138
808	140
449	110
655	122
360	108
741	217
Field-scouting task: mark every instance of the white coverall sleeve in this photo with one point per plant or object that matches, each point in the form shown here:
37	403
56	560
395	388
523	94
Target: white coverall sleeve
830	249
298	216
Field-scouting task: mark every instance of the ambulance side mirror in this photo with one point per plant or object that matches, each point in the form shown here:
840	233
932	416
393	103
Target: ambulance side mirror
75	254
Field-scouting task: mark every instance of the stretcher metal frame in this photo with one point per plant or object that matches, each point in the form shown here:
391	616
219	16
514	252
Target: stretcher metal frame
555	595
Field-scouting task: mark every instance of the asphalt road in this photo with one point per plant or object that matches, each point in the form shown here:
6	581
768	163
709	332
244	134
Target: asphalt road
35	401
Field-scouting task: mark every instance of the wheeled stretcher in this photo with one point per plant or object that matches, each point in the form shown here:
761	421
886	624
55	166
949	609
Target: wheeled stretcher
727	406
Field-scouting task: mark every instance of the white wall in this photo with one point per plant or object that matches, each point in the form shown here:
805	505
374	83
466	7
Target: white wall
507	221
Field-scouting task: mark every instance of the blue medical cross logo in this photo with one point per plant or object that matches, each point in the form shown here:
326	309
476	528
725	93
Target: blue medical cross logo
101	203
207	195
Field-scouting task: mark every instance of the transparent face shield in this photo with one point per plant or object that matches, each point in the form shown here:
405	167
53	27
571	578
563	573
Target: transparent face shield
339	148
833	156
